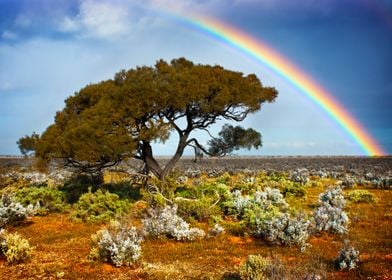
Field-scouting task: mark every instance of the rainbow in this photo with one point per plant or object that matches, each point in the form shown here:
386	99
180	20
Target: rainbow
264	54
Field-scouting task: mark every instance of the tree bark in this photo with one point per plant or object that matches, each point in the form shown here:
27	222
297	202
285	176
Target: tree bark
179	152
148	158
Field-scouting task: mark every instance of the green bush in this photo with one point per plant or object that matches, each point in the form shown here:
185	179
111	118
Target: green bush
200	209
49	199
125	190
99	206
290	188
358	196
202	202
254	268
257	267
14	247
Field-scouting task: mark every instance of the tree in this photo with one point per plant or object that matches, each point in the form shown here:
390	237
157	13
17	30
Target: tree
27	144
233	138
116	119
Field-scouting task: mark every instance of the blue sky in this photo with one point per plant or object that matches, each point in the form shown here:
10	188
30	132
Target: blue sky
49	49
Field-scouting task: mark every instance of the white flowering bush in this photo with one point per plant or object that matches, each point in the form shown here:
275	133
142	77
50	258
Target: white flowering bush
300	175
333	196
330	216
261	200
164	222
12	212
118	244
348	257
14	247
239	202
285	230
269	197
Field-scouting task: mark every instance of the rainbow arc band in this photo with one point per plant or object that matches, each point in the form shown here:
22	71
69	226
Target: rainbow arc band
264	54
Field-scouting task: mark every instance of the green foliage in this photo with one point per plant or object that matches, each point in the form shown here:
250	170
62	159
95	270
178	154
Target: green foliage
99	207
27	144
234	138
49	199
290	188
255	268
202	202
200	209
14	247
358	196
124	190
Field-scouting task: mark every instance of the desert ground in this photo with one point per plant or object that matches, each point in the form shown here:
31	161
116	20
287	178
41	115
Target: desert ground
207	194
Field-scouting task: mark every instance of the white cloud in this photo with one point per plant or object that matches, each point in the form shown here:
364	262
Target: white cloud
9	35
69	25
99	19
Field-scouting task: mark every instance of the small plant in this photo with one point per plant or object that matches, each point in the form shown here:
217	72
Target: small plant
14	247
358	196
49	199
99	206
118	244
330	216
257	267
12	212
348	257
254	268
163	222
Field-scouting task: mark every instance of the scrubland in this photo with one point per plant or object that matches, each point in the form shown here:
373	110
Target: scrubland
232	218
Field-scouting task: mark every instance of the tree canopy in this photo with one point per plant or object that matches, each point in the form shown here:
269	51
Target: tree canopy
27	144
233	138
119	118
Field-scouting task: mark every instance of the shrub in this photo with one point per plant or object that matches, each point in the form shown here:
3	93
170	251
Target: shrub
12	212
261	200
49	199
118	244
333	197
99	206
14	247
285	230
348	258
163	222
293	189
257	267
358	196
330	216
200	209
300	176
254	268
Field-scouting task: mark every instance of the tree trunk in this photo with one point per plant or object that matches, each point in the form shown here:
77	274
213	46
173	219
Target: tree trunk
173	161
148	158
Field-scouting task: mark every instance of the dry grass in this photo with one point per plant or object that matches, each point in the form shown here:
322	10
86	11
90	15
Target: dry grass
62	247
